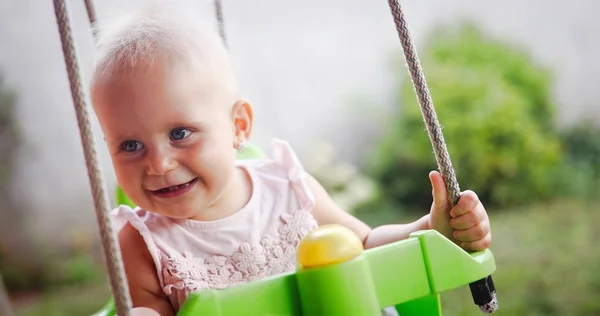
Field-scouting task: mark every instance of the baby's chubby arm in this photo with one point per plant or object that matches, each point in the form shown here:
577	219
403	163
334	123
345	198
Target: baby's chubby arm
467	223
144	287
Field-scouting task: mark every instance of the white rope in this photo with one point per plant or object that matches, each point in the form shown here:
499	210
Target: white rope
110	244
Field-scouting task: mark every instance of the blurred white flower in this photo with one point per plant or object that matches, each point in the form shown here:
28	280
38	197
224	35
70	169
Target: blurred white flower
345	183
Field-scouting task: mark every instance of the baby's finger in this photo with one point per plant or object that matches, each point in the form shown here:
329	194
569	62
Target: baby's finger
472	234
478	245
468	201
465	221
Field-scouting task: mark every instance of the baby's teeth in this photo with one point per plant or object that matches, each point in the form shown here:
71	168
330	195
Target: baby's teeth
175	187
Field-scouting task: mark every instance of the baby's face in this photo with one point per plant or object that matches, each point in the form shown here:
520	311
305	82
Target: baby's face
171	144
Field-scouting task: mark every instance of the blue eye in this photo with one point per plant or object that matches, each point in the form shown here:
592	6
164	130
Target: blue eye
131	146
179	133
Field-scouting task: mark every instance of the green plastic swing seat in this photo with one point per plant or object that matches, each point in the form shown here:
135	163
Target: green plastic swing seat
408	274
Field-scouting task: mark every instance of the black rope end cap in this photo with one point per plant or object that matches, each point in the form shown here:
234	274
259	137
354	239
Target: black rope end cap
484	294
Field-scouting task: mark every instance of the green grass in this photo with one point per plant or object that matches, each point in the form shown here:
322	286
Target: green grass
548	262
547	259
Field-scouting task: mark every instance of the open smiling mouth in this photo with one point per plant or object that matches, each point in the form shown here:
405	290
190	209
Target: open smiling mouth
176	190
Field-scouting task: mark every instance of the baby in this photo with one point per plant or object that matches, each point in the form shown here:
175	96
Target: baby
166	99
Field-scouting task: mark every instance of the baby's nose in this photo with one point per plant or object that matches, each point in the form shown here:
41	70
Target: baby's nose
161	162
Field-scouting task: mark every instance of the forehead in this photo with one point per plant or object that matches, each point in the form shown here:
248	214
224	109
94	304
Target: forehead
150	98
151	82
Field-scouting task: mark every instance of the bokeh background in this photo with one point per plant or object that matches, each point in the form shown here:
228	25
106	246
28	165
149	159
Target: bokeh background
515	84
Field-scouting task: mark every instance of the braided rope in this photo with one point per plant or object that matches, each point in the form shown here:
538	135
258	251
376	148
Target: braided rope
426	103
91	12
431	121
110	244
220	22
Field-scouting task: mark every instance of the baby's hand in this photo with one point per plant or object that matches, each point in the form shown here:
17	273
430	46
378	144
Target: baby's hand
467	224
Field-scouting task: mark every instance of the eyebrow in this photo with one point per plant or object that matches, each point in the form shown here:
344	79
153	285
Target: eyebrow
199	124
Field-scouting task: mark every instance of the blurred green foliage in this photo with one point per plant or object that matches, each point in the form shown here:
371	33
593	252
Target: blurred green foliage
58	270
24	263
581	171
494	103
547	261
582	143
8	134
10	217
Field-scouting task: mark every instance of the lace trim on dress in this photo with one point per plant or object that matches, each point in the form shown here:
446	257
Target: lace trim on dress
273	255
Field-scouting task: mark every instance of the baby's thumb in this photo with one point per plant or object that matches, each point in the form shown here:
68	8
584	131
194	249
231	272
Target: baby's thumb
440	195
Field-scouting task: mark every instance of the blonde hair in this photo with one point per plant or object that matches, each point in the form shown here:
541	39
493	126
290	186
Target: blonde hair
165	32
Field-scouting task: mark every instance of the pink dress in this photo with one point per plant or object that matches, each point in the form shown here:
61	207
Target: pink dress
258	241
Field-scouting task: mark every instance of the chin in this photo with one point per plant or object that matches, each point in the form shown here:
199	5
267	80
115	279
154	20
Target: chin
182	209
178	213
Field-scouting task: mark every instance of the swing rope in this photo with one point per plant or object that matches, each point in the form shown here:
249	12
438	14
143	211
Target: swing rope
426	103
110	245
220	21
482	290
91	12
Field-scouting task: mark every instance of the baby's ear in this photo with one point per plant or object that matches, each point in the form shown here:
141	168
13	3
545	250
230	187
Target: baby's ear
243	118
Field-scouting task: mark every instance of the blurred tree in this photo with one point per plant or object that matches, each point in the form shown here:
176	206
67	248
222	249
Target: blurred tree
8	137
495	107
582	144
581	174
18	261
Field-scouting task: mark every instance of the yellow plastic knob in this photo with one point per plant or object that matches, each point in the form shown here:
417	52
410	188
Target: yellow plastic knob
328	244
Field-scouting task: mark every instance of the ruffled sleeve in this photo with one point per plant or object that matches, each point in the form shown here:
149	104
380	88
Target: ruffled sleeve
124	214
283	154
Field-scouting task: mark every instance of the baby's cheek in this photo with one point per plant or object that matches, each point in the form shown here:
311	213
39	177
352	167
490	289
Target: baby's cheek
213	160
130	182
218	170
221	173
